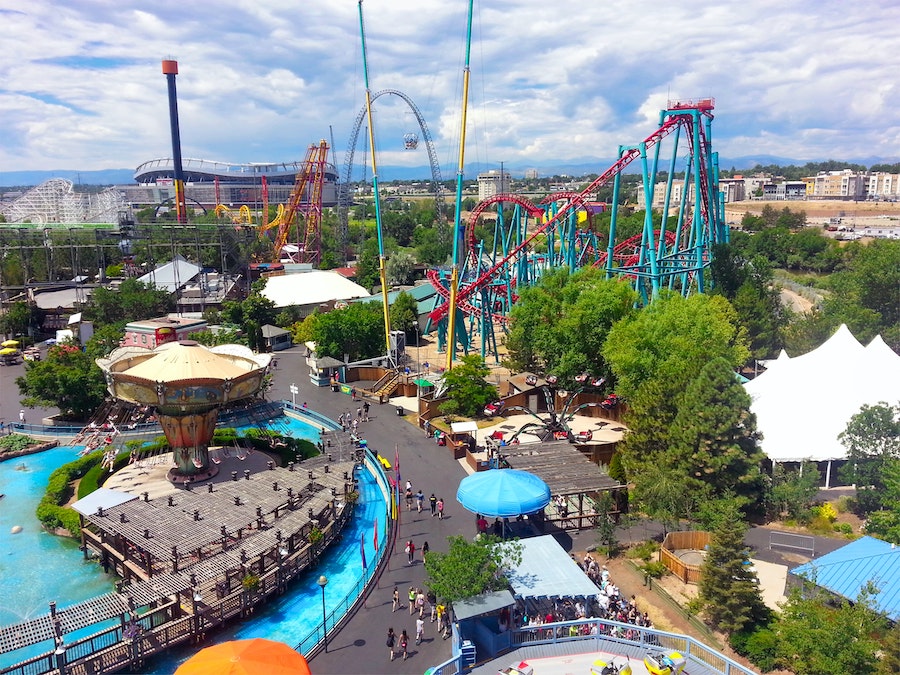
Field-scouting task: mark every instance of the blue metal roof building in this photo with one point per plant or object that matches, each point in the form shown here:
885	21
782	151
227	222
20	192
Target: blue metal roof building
846	571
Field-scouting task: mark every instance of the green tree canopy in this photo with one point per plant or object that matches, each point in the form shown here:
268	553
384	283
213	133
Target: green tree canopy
714	441
467	388
404	315
671	339
872	439
817	638
471	568
132	301
67	379
357	331
560	325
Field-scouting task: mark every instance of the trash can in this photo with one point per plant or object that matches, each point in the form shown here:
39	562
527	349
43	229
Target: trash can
400	411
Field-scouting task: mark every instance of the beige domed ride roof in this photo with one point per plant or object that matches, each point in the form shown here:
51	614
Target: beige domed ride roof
188	360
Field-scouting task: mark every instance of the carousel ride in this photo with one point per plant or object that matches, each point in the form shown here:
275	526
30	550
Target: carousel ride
530	239
186	383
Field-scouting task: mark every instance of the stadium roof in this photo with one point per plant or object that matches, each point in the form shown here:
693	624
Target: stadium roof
846	571
311	288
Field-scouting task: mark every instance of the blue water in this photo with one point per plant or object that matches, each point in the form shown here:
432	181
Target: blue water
36	567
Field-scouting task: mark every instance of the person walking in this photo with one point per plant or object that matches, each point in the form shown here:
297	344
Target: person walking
425	549
391	641
412	600
410	552
396	599
427	427
432	604
440	610
420	630
409	497
366	411
420	500
22	416
404	643
440	509
420	602
432	501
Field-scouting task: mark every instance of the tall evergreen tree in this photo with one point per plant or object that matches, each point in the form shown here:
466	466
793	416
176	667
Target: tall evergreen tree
714	439
729	588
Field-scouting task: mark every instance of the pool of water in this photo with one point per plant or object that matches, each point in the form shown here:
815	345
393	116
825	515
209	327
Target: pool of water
37	567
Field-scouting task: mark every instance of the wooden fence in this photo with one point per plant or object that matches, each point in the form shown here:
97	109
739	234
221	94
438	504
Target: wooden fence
679	541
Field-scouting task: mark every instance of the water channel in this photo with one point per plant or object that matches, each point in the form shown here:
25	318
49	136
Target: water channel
37	568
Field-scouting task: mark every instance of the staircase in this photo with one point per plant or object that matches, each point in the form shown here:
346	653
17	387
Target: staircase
384	387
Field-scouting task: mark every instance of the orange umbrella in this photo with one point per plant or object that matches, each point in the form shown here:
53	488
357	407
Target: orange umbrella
246	657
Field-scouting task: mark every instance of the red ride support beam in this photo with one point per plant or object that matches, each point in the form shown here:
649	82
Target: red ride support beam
170	70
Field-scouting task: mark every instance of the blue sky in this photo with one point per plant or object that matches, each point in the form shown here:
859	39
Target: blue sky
81	85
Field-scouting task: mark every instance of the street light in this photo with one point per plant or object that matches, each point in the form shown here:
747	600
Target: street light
323	581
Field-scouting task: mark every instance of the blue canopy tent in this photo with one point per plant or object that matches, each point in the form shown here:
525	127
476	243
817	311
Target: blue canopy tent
503	493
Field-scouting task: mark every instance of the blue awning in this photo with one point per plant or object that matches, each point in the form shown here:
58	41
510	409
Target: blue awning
547	571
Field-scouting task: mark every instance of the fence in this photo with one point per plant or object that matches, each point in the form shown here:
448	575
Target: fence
678	541
796	542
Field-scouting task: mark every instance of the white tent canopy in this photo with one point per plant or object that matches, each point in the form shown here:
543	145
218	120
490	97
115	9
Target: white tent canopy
803	403
311	288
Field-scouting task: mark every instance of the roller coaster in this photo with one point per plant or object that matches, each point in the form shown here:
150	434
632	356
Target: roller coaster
530	239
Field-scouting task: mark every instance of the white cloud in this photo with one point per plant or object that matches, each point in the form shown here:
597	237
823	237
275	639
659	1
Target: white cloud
82	86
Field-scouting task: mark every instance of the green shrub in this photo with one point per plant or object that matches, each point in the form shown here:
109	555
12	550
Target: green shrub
50	511
656	569
15	443
758	644
644	551
844	528
617	469
843	504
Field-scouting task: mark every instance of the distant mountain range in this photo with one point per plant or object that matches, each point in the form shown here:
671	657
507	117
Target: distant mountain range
545	168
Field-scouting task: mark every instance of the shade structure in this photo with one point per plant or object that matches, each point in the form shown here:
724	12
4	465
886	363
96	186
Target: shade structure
503	493
9	343
246	657
8	350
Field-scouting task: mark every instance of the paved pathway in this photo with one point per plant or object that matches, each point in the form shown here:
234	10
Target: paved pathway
359	647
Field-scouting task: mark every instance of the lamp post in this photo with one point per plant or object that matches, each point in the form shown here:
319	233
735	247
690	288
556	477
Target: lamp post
323	581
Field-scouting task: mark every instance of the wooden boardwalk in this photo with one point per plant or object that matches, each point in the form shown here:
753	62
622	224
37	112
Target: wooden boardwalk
194	560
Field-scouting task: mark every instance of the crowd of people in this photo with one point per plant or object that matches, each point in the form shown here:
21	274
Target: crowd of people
609	604
421	605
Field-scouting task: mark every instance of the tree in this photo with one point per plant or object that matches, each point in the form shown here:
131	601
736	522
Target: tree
251	314
404	314
19	318
67	379
471	568
560	325
872	439
367	265
399	268
132	301
356	331
792	492
815	638
729	588
671	339
105	339
467	388
714	441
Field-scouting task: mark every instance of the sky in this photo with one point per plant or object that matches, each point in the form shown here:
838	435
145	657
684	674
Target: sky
568	81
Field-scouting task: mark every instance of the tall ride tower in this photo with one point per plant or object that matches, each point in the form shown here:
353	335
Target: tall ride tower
170	70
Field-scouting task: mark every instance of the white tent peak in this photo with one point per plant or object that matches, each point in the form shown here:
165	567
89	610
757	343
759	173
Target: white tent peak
805	402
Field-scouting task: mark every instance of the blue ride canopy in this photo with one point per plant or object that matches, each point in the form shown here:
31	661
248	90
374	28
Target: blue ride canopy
503	493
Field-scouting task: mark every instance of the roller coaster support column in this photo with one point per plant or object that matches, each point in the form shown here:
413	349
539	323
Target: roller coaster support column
170	70
386	308
458	228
